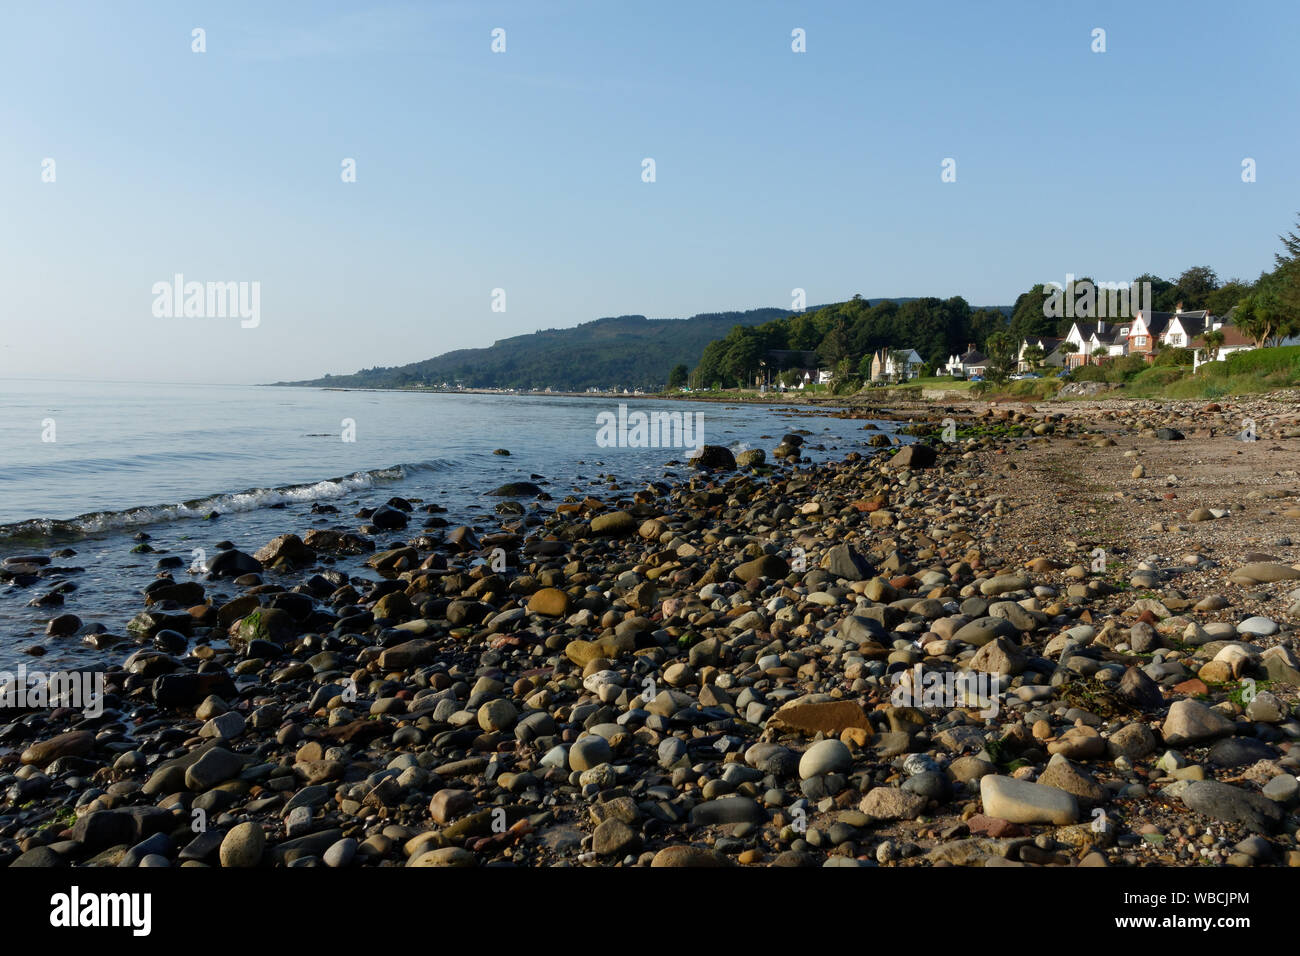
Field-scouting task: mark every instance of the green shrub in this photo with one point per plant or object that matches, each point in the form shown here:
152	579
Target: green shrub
1123	369
1264	360
1088	373
1174	357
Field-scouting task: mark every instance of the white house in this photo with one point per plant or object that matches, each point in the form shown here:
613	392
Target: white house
883	366
1049	345
969	364
1094	341
1182	327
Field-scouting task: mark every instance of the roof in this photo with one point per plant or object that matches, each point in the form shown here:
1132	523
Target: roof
1232	336
1156	322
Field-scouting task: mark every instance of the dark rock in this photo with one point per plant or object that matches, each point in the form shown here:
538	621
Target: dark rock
714	457
1230	804
914	456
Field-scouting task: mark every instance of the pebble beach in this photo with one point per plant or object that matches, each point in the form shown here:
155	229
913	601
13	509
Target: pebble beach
707	672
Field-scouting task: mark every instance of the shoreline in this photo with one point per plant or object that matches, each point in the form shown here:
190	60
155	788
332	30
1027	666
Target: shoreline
444	711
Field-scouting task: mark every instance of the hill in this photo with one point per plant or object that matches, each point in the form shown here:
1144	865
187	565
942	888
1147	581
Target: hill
629	351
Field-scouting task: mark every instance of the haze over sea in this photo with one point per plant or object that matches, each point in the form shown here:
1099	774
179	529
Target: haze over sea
87	466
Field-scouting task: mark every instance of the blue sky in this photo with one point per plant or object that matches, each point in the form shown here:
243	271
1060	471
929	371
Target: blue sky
522	170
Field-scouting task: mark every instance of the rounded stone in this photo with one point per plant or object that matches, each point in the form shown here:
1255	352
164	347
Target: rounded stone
243	846
497	714
590	751
825	756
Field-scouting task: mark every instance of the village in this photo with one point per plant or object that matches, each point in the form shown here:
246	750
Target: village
1208	337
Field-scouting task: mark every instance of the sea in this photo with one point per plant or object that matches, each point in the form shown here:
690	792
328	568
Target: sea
88	469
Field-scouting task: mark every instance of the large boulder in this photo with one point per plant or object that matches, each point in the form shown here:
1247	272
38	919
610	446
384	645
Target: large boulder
1221	801
1191	722
232	564
517	489
768	566
1020	801
843	561
614	523
286	550
914	456
714	457
265	624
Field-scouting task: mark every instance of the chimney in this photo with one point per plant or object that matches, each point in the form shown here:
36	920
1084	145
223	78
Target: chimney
1101	327
1178	309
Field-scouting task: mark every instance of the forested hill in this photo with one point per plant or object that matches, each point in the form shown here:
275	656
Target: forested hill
627	351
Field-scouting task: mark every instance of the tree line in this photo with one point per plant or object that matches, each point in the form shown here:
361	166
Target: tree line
845	336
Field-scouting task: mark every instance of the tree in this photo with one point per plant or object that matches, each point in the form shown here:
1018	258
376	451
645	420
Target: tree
744	348
898	359
1163	293
864	368
1029	318
1222	299
1287	276
984	322
802	334
1213	342
1291	245
709	369
1033	356
677	377
1001	348
1195	286
835	346
1262	315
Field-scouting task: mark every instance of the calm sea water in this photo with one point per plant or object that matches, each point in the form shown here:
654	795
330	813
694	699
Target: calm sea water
86	466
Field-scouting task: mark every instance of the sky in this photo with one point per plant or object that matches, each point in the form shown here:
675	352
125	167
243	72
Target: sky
523	170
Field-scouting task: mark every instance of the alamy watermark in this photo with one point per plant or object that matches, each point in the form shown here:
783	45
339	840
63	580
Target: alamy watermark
1085	299
649	430
945	690
208	300
82	690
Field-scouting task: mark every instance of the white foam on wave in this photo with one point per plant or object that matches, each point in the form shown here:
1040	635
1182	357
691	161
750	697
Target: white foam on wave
250	499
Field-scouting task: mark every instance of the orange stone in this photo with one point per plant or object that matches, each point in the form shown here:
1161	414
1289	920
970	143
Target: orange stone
829	717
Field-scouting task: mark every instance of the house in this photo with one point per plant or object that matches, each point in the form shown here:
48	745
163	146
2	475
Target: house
1234	340
1183	327
1049	345
1110	340
970	364
1056	358
1077	344
884	368
1095	341
1151	331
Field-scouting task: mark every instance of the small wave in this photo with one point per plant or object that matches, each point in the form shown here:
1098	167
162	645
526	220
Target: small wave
250	499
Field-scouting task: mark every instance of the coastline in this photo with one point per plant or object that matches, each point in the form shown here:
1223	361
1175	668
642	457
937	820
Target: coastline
451	712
